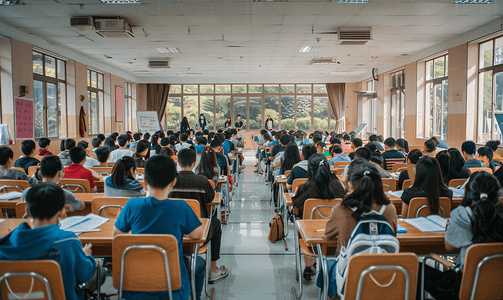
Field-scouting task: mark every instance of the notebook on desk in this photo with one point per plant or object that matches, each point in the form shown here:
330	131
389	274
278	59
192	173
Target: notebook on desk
80	224
432	223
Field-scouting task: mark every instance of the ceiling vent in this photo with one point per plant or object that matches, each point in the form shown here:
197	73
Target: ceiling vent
113	28
354	36
159	64
324	61
82	23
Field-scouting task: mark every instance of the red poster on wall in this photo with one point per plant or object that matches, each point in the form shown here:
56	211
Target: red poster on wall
119	104
24	118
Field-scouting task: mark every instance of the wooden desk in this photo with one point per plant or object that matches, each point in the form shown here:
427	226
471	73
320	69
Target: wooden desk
397	201
87	198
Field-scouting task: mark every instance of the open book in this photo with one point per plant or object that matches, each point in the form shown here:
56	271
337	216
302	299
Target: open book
82	223
432	223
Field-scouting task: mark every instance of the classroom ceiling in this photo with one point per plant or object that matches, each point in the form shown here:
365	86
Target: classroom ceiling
246	42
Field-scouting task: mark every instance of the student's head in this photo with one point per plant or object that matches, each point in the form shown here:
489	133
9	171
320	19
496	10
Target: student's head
263	131
46	201
165	151
136	137
373	138
485	156
28	147
291	157
456	163
220	136
44	143
216	144
390	143
429	179
481	194
491	144
468	148
165	142
160	172
124	168
317	138
6	156
146	136
377	159
362	153
122	140
202	141
83	144
67	144
319	175
320	147
284	140
372	147
101	136
102	154
96	142
435	140
308	150
335	141
366	186
429	146
357	143
346	137
51	167
443	161
380	138
186	158
402	145
414	156
77	155
336	150
109	143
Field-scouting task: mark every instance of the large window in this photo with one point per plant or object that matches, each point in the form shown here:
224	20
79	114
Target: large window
95	95
369	108
436	97
490	93
49	95
292	106
397	89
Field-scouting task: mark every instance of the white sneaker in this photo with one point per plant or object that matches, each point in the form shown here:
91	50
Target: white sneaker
219	275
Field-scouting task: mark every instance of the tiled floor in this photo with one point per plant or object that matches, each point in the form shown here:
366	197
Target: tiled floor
258	269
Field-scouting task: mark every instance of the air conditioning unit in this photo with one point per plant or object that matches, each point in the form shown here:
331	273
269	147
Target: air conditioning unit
82	23
159	64
354	36
113	28
324	61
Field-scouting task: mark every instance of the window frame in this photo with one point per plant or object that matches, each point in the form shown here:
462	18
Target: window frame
399	91
434	81
100	101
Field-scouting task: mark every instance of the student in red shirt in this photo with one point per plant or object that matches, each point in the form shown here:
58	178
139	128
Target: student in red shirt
76	170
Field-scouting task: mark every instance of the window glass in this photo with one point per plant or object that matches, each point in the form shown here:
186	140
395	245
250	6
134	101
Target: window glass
207	110
52	110
303	88
320	107
207	89
222	110
190	89
240	109
287	112
255	88
173	112
255	105
50	66
62	110
94	79
439	67
100	82
446	65
61	69
94	109
498	99
38	64
393	80
190	109
271	88
239	88
101	111
223	89
304	113
88	77
319	89
445	86
498	51
175	89
271	108
287	89
38	104
485	106
429	109
486	54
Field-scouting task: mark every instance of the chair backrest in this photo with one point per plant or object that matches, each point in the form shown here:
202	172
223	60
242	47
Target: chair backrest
319	208
411	169
13	185
398	166
406	184
382	276
287	173
194	204
212	182
296	183
110	164
457	182
389	182
21	210
389	163
488	170
482	275
32	170
419	207
108	207
18	169
75	185
103	170
41	277
141	263
140	170
339	171
341	163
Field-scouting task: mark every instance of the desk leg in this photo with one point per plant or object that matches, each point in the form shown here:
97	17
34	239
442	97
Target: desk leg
322	262
298	264
193	272
227	198
210	292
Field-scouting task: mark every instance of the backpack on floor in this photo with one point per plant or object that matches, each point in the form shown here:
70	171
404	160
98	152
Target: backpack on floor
276	231
372	235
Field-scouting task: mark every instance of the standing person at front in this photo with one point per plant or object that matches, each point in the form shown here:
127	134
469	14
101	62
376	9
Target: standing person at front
269	124
238	124
157	214
184	125
202	123
228	123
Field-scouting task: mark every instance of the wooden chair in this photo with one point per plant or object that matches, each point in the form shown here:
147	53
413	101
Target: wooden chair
341	163
297	182
32	170
104	171
412	173
212	182
142	263
488	170
22	210
382	276
389	163
75	185
194	204
18	169
108	207
389	183
287	173
140	170
339	171
398	166
457	182
419	207
31	276
110	164
13	185
406	184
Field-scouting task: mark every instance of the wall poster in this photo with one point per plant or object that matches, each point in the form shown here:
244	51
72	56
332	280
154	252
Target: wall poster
24	118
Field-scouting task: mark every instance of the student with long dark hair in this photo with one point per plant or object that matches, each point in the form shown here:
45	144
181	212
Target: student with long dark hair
201	122
412	159
486	156
142	153
300	170
122	182
64	155
184	125
491	144
208	165
228	123
428	183
109	143
429	148
153	141
290	158
479	219
455	169
402	146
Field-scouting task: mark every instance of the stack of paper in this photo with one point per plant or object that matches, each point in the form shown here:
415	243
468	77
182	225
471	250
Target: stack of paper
396	194
10	196
82	223
432	223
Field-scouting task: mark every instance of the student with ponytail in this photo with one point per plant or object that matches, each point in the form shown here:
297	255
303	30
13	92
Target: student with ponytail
208	165
122	182
64	155
479	219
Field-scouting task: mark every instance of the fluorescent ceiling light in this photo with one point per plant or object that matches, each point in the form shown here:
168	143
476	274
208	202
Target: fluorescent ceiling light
472	2
120	1
339	73
349	1
308	49
169	50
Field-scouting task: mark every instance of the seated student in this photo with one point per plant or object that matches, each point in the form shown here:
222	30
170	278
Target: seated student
486	157
228	145
412	159
96	142
43	145
428	184
91	160
200	144
208	166
355	144
402	146
378	161
45	241
216	146
367	197
122	151
6	158
28	160
373	139
479	219
186	179
157	214
372	147
122	182
290	157
64	155
338	155
317	138
320	147
300	170
455	163
110	144
136	139
391	152
183	142
76	170
51	170
102	153
430	148
469	149
142	153
346	143
363	153
164	145
494	146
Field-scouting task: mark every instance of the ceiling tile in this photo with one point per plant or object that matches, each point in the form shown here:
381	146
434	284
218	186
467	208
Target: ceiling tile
421	9
271	8
456	10
305	8
342	9
366	21
299	20
381	9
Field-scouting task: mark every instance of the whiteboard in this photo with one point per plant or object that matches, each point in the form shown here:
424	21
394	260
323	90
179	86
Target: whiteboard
147	121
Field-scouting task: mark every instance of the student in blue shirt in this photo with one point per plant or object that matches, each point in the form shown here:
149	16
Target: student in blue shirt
156	214
338	156
200	144
44	240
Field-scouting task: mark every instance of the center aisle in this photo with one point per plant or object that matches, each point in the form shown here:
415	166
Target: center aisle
258	269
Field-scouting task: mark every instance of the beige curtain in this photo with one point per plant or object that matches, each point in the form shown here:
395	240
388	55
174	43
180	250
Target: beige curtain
337	103
157	97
